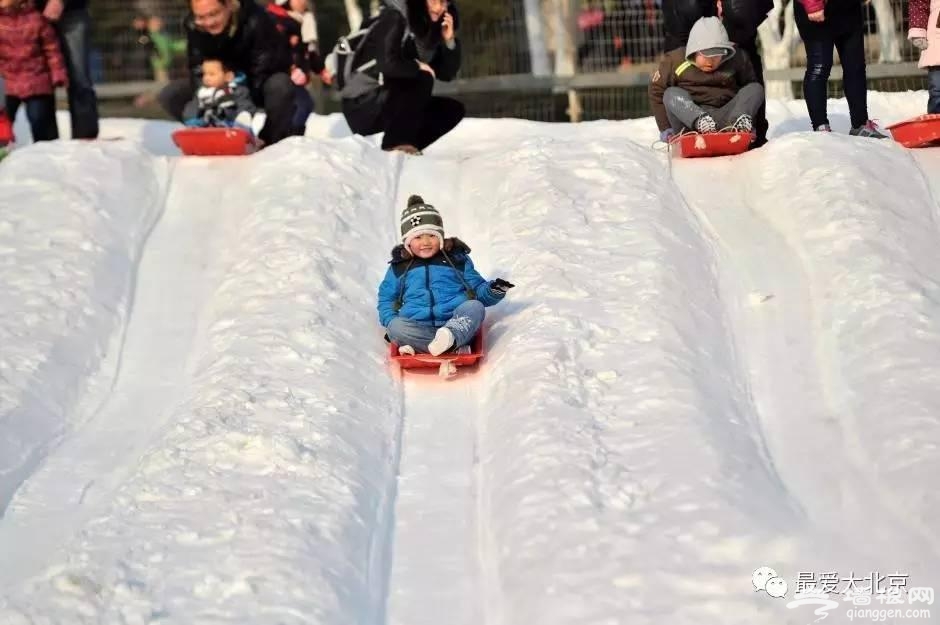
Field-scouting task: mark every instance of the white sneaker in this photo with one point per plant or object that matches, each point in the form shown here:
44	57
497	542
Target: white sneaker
406	350
443	340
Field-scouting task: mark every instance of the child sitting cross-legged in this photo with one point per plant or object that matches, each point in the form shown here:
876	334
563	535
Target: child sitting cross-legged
432	299
707	87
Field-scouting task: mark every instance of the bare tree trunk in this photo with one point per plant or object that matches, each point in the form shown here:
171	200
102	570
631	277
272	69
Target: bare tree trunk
538	51
777	45
566	50
566	28
353	14
887	32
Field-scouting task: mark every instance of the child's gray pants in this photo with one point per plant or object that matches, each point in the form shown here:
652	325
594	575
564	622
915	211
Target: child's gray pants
683	112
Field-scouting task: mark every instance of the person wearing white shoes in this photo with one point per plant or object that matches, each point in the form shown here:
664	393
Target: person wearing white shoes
432	298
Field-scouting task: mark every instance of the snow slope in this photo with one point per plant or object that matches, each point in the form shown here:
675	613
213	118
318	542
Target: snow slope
693	378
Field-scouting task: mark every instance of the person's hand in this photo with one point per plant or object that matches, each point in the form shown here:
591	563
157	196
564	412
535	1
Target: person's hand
53	10
298	77
666	135
920	43
447	27
500	286
326	77
818	16
424	67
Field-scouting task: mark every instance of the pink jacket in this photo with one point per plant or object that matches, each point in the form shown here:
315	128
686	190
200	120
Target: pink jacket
924	18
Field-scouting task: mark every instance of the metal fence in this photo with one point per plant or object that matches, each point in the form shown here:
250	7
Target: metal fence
617	44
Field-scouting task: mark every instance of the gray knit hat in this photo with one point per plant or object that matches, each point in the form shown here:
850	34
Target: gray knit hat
420	218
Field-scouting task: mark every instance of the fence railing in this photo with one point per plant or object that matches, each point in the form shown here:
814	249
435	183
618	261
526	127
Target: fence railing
617	44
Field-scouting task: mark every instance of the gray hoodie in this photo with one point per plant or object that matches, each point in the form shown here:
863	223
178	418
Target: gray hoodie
709	32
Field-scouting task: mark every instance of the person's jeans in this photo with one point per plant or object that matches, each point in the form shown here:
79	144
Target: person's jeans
933	90
466	322
74	30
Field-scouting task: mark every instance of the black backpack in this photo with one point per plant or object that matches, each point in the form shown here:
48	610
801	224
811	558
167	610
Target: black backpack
343	62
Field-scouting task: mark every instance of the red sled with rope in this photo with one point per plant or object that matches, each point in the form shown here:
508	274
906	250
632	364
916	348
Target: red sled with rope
697	145
446	363
215	141
922	131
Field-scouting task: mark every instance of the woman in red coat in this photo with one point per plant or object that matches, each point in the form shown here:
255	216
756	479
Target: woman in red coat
32	66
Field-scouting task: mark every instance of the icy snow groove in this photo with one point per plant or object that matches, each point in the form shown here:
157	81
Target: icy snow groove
435	570
174	278
780	338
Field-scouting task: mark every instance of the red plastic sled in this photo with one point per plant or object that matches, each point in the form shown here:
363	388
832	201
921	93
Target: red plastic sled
429	361
214	141
695	145
922	131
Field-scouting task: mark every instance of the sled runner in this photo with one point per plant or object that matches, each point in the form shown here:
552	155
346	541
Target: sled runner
922	131
695	145
429	361
214	141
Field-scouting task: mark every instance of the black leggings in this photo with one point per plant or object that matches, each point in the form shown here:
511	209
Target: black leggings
40	111
850	42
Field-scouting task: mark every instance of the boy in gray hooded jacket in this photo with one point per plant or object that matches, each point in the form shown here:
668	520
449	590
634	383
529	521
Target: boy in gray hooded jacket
707	87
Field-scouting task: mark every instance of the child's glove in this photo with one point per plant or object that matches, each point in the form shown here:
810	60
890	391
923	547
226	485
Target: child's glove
500	286
196	122
920	43
666	135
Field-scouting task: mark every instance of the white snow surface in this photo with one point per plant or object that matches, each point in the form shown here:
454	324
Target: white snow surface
707	366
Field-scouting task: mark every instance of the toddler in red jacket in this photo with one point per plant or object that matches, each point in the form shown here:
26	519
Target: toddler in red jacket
32	65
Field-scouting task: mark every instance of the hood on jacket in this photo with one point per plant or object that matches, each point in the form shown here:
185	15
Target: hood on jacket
708	35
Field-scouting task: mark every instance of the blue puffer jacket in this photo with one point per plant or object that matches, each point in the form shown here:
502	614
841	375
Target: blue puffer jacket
431	288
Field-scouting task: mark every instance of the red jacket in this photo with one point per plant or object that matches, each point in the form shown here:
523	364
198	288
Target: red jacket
30	59
813	6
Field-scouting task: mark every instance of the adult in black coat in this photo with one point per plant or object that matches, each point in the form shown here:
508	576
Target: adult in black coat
244	37
740	18
412	43
72	24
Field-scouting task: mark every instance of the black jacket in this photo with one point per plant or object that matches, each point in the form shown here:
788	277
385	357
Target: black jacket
70	5
396	55
679	16
740	17
255	48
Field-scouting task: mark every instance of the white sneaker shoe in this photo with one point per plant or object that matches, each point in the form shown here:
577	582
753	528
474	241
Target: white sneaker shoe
443	340
406	350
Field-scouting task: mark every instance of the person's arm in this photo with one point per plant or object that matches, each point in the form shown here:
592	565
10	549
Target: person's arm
388	294
194	58
480	285
918	12
49	42
389	54
270	50
661	80
446	62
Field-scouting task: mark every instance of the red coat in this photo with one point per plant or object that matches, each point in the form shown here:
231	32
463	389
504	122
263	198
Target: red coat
30	59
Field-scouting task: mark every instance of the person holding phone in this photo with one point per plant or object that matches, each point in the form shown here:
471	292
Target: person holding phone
409	45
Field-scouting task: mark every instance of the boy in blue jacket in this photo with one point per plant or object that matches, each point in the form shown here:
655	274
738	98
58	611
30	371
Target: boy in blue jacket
432	299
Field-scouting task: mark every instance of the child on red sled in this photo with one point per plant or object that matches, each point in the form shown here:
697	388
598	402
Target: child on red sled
707	87
222	101
432	298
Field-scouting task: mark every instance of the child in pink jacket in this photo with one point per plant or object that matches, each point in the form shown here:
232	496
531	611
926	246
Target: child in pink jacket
924	17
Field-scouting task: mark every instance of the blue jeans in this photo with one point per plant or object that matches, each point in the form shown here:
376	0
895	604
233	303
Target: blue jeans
933	90
74	29
303	107
466	322
40	111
